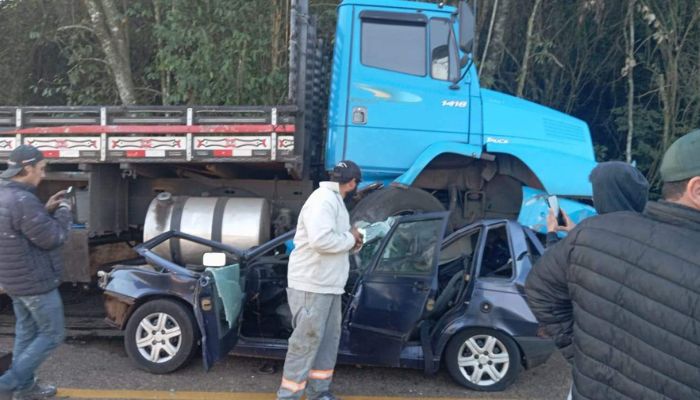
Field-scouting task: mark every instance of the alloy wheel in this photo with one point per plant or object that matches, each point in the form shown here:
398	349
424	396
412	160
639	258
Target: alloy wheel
483	360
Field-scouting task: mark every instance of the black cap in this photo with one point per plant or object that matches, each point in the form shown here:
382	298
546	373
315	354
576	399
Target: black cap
345	171
20	157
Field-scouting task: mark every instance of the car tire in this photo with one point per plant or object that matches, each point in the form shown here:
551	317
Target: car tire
393	201
483	359
172	339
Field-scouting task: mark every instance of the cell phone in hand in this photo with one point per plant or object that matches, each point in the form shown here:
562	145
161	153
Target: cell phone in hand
553	204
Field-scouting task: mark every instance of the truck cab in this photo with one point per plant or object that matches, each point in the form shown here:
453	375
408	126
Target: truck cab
406	105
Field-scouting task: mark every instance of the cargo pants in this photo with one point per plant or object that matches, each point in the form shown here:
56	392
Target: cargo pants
313	346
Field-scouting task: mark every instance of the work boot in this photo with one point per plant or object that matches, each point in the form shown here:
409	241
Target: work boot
326	396
38	391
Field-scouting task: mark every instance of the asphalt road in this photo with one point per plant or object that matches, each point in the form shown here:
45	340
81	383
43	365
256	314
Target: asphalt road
99	368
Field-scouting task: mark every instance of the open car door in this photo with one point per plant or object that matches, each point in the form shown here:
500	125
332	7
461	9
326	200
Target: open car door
218	305
393	292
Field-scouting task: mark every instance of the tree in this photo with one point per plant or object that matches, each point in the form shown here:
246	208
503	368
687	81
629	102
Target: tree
111	28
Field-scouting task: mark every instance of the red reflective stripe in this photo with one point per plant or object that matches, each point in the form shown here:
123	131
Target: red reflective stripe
321	374
293	386
51	153
223	153
136	153
158	129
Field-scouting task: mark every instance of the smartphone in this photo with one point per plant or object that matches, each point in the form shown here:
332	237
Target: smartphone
553	203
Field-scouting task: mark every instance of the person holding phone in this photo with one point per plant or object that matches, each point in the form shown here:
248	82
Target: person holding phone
31	237
617	186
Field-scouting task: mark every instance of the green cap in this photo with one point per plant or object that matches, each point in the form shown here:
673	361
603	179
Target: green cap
682	159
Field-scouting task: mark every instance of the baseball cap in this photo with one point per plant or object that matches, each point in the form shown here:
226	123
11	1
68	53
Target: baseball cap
682	159
345	171
20	157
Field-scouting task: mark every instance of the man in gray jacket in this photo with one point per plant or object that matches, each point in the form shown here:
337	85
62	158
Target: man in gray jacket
317	273
31	235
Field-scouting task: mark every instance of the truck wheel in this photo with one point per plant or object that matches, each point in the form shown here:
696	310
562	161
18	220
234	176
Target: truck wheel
392	201
160	336
483	359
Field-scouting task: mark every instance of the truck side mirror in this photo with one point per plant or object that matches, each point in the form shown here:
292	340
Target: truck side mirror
467	25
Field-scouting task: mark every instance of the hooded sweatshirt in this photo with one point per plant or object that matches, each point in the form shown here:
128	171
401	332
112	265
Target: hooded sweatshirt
617	186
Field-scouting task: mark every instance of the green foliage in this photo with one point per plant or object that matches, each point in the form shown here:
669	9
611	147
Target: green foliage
219	52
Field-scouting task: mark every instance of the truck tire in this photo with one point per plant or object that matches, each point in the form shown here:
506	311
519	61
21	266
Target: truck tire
483	359
161	336
393	201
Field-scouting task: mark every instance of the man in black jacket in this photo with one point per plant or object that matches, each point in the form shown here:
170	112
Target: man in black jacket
620	295
31	235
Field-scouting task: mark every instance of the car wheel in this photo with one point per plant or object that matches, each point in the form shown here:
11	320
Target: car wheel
483	359
161	336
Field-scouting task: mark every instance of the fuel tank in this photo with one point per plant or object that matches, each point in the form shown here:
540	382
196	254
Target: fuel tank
236	221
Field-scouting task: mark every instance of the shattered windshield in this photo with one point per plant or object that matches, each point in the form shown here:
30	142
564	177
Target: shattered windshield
372	234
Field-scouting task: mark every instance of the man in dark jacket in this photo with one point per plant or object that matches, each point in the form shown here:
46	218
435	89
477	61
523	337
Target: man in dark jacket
617	186
31	235
620	295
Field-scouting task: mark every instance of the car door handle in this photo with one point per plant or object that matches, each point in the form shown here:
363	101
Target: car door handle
420	287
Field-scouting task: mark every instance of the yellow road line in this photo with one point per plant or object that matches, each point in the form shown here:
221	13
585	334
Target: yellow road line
177	395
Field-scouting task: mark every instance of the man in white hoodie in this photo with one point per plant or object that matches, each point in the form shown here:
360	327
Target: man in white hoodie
317	274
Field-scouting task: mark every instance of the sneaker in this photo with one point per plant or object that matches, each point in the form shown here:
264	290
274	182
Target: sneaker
326	396
38	391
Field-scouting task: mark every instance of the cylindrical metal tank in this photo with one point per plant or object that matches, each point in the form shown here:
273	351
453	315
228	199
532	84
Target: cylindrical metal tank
236	221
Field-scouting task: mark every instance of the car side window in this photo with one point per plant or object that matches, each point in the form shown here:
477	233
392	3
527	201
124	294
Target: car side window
394	45
497	260
411	248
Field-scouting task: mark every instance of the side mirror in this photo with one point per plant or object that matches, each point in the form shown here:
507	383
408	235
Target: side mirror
467	25
214	259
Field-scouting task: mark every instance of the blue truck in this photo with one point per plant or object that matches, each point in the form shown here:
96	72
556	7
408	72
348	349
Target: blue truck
400	96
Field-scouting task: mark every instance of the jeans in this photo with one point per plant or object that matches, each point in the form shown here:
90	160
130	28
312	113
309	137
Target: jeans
39	330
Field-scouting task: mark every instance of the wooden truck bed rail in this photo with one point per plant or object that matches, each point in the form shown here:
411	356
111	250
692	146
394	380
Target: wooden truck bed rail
151	134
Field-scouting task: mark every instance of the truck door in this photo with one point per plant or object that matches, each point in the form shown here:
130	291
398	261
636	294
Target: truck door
399	96
393	293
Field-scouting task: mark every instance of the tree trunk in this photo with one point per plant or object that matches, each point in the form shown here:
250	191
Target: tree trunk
164	73
528	46
495	46
629	69
110	27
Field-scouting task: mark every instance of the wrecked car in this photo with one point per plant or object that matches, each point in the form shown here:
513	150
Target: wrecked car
414	299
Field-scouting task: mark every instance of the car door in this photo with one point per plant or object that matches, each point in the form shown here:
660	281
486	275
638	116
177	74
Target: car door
219	300
392	294
218	305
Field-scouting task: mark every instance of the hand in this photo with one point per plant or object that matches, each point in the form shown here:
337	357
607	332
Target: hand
358	237
553	224
55	200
